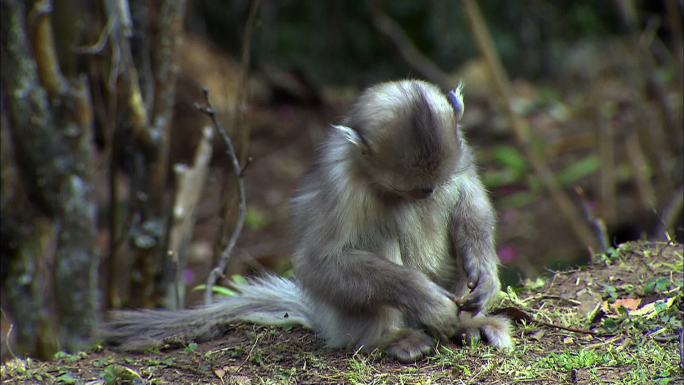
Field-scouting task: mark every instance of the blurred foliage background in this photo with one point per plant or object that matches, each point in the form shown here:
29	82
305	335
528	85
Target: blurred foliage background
598	84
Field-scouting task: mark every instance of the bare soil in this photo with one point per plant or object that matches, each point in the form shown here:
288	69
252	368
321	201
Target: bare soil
249	354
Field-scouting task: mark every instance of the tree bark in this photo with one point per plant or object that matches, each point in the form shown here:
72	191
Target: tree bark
52	136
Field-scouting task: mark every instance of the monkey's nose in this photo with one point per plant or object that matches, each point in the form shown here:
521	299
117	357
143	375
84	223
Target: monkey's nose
423	192
427	190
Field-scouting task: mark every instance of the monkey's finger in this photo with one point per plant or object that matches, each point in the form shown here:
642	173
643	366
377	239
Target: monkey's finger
467	302
475	300
473	277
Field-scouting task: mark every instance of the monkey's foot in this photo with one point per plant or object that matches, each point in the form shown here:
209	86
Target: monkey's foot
468	336
408	345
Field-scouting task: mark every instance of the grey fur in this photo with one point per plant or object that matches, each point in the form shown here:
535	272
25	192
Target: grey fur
270	300
390	226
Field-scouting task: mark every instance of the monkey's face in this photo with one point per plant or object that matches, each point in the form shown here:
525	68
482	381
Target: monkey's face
406	138
404	167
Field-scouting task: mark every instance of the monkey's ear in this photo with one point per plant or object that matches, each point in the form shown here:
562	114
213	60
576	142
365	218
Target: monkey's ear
455	97
350	134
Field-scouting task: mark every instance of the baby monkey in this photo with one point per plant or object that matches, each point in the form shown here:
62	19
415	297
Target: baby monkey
394	240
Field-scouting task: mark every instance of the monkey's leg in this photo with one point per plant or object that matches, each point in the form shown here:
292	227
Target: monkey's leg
408	345
359	281
368	329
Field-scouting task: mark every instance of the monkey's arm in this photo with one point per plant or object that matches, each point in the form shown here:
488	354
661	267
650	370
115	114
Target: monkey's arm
358	279
472	235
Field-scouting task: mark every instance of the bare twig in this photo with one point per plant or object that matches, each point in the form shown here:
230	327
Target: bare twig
520	126
44	48
607	186
241	94
240	131
670	213
99	44
189	184
217	271
408	51
520	315
569	329
598	223
8	336
640	167
658	134
674	12
681	348
559	298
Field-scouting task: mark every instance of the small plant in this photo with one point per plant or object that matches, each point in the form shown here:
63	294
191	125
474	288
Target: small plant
658	286
611	256
118	374
191	347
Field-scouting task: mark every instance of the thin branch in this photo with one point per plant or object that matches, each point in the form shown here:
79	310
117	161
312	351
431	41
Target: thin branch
241	134
408	51
49	71
569	329
8	336
681	348
598	223
640	168
99	44
521	128
217	271
520	315
241	95
670	213
607	185
630	19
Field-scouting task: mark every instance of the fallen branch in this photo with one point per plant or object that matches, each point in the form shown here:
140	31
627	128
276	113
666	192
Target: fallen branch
217	271
517	314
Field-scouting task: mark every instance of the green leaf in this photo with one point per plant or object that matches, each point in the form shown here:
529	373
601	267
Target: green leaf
220	290
255	219
191	347
511	158
238	279
67	379
579	170
662	285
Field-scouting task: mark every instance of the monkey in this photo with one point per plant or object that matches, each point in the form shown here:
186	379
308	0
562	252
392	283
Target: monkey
393	236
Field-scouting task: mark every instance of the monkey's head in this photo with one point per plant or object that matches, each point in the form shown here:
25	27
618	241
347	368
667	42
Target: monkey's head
405	137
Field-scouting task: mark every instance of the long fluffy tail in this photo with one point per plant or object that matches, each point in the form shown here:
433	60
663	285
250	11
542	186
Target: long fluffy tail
270	300
494	328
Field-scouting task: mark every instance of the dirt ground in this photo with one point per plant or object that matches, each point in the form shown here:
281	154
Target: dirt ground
638	345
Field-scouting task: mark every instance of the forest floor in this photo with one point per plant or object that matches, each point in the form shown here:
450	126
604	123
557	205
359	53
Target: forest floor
617	320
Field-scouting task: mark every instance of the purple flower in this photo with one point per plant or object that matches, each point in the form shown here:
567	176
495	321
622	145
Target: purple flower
508	254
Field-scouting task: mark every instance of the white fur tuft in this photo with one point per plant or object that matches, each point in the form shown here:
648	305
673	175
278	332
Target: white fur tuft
349	133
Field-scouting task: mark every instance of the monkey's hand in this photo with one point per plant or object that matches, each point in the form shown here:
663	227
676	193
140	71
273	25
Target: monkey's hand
441	316
483	283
